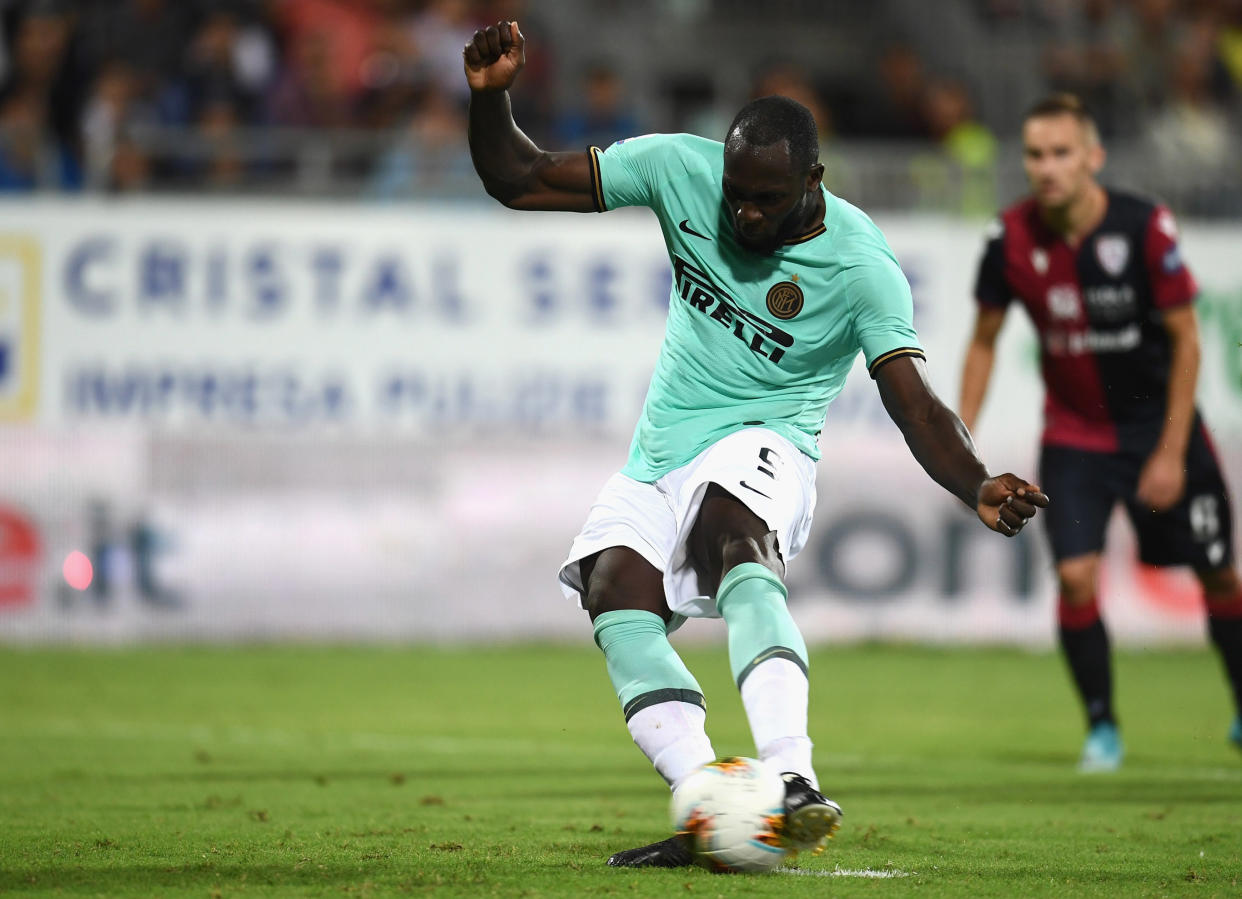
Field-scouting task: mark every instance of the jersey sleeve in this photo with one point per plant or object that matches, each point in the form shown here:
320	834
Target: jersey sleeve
882	311
991	286
1172	284
627	173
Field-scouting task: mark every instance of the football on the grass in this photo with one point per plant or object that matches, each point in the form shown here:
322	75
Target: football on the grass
730	812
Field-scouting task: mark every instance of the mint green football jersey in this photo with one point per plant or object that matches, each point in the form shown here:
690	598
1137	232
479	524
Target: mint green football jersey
751	340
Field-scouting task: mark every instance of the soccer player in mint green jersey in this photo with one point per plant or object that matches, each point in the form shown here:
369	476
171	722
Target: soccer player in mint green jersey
777	287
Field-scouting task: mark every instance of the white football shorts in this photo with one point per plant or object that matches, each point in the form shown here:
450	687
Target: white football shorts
772	477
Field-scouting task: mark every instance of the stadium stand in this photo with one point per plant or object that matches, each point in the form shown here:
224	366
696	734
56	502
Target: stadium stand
365	98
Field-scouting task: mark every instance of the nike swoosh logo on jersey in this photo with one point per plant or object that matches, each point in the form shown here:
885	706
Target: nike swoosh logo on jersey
760	492
685	228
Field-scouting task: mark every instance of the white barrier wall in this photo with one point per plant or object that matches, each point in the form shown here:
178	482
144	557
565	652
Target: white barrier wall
239	421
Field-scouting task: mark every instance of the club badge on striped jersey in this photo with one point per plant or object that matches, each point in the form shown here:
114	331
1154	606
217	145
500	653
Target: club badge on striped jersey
1039	260
785	300
1113	251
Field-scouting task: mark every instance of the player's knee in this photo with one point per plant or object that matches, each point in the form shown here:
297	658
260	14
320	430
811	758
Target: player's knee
1219	583
1077	580
610	593
620	579
606	595
739	550
1076	593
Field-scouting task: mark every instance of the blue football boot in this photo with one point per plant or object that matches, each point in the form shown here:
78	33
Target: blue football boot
1103	750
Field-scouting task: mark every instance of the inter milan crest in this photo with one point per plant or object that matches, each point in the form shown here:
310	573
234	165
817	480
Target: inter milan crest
785	300
1113	251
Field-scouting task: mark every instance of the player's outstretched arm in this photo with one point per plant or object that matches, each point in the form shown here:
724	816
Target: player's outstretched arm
512	168
977	366
942	445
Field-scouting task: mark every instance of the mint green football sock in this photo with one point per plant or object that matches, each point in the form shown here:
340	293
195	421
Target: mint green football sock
751	599
662	703
642	665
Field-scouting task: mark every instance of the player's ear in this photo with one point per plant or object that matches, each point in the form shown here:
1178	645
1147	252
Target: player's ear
815	176
1096	156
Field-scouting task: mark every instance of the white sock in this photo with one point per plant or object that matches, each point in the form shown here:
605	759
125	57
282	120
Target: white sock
774	695
672	735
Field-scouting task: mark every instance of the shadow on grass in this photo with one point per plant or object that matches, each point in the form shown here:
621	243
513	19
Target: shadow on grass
150	879
525	784
1072	789
219	775
212	773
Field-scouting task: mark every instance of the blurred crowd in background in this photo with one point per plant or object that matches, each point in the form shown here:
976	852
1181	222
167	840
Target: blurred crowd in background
367	97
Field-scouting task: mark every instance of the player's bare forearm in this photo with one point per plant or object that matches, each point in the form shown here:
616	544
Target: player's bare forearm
937	438
942	445
1183	378
503	156
515	171
976	374
1162	480
977	366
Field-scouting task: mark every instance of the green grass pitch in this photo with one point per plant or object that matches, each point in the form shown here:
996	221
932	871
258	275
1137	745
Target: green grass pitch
508	772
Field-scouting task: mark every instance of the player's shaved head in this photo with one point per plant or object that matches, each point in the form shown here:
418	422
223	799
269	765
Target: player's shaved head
1065	104
771	180
770	120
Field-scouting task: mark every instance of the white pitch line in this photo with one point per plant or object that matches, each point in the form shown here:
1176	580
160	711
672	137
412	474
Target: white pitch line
847	872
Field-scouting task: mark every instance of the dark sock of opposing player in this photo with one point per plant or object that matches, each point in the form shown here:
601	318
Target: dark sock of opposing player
1085	644
1225	629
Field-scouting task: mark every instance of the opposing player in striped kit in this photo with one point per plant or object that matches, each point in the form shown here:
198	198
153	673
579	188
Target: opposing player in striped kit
777	286
1101	275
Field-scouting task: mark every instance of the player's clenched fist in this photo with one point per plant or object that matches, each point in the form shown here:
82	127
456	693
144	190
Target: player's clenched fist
494	56
1006	503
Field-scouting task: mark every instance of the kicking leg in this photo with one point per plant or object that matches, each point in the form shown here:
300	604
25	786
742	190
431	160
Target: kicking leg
732	547
662	703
